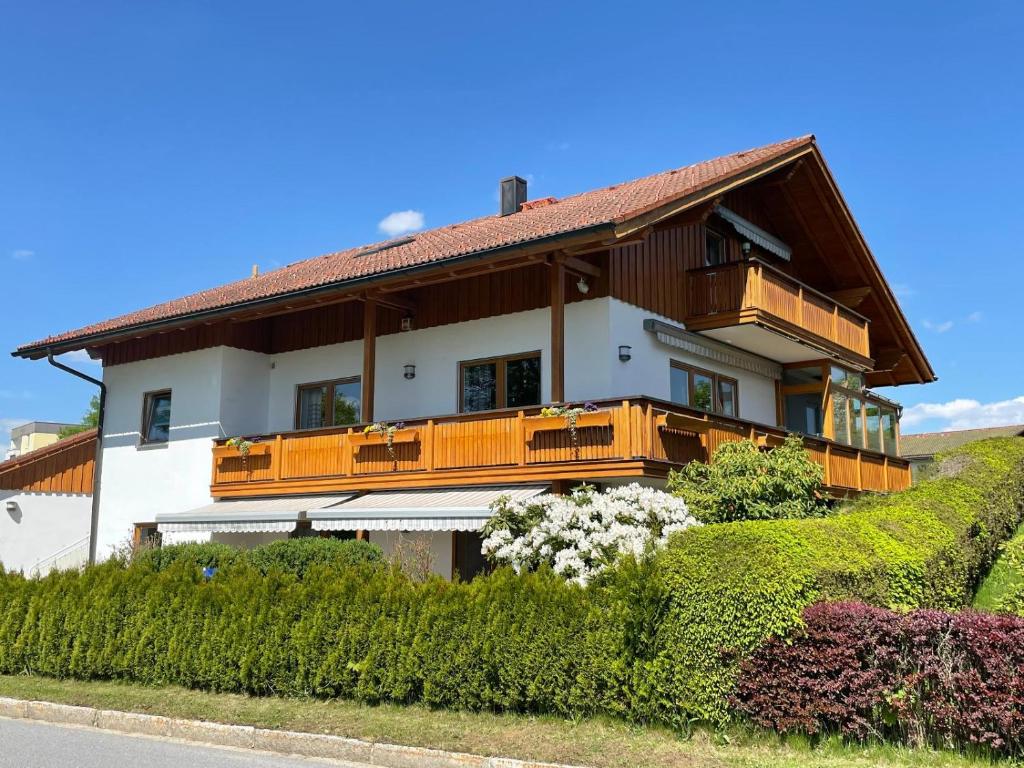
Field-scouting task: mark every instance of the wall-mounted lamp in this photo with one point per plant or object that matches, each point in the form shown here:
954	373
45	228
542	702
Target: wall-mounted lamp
582	286
410	371
745	247
11	506
625	353
406	323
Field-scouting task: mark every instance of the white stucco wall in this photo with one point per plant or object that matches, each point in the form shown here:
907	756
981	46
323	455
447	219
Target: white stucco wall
40	526
223	392
647	373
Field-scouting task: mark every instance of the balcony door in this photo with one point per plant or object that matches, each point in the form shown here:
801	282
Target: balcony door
328	404
512	381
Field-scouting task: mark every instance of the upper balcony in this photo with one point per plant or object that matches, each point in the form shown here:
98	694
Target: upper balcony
757	307
624	439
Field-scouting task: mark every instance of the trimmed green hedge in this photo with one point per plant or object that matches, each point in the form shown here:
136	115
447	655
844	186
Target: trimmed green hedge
730	586
650	641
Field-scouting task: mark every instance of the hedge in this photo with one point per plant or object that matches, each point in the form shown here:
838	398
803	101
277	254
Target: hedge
926	677
660	640
730	586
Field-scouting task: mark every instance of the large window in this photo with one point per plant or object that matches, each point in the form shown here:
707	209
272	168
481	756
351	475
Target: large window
499	382
703	390
825	399
328	404
156	417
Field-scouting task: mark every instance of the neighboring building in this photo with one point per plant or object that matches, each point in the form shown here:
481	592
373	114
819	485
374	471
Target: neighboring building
33	436
46	506
728	299
920	449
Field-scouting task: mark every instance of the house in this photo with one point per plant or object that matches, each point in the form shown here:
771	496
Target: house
34	435
727	299
920	449
46	505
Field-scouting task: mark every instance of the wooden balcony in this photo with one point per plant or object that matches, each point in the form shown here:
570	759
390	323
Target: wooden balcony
631	438
753	292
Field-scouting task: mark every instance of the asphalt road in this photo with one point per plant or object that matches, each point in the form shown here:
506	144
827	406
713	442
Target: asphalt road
31	744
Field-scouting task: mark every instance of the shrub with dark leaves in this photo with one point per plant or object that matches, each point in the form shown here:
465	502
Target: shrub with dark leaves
926	677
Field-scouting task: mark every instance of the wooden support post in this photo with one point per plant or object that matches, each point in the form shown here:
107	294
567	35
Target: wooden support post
427	446
520	438
278	458
860	472
557	332
828	464
624	432
369	356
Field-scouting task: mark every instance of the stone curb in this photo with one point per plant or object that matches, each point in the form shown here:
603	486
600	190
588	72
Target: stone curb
262	739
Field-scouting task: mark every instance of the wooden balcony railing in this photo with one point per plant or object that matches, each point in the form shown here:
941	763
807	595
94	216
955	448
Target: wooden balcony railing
631	438
753	291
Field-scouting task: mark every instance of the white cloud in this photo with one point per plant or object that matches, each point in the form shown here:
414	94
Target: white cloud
974	317
400	222
78	356
23	254
903	291
964	413
942	327
16	394
557	146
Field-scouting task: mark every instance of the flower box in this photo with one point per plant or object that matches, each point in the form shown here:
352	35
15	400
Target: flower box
683	422
536	424
359	439
230	451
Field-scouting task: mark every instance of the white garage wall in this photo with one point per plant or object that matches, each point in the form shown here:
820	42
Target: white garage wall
42	525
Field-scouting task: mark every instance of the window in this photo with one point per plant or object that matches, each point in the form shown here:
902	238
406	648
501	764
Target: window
873	425
889	421
328	404
156	417
714	248
146	535
499	382
804	413
703	390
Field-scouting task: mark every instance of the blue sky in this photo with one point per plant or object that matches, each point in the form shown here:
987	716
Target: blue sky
152	149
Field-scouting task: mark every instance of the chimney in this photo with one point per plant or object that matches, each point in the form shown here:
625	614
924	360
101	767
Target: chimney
513	195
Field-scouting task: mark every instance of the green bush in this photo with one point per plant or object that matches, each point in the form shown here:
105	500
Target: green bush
743	482
657	640
730	586
296	556
207	554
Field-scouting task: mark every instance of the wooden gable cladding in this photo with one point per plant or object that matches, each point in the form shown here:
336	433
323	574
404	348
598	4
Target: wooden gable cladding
651	273
65	467
460	300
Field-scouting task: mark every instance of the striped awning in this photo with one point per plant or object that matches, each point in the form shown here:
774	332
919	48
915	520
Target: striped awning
443	509
276	515
755	234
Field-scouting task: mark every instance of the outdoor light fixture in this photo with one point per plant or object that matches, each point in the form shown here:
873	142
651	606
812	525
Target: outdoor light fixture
12	506
625	353
745	247
406	325
582	286
410	371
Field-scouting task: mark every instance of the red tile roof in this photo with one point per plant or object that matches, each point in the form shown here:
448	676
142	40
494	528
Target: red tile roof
610	205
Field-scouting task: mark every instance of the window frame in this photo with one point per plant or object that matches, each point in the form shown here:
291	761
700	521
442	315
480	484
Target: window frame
710	233
500	380
147	415
332	383
692	372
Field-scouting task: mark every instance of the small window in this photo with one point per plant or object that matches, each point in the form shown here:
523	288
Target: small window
501	382
156	417
703	390
146	535
714	248
329	404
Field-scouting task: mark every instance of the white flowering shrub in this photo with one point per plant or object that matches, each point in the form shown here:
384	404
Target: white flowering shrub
581	534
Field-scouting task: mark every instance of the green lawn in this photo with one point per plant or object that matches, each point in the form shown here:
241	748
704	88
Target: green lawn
1000	580
602	743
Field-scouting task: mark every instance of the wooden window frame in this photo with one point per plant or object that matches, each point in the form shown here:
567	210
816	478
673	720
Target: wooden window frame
716	404
147	399
332	383
500	363
137	533
722	259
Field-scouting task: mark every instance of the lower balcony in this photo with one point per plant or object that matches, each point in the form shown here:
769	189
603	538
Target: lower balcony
627	439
